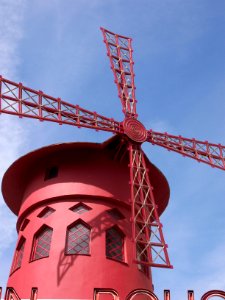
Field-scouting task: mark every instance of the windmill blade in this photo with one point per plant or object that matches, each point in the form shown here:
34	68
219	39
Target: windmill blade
208	153
119	50
16	99
149	245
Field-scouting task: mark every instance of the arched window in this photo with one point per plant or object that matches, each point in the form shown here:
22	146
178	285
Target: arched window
41	243
78	238
17	261
115	244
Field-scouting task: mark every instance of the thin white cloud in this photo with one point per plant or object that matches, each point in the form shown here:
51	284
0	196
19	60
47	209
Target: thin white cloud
11	15
12	134
12	139
160	126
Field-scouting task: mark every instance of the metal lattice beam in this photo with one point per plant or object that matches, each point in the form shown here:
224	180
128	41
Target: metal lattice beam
119	50
208	153
16	99
150	247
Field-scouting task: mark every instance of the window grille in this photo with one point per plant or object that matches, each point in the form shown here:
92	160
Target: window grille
114	244
47	211
78	239
42	243
19	255
116	214
80	208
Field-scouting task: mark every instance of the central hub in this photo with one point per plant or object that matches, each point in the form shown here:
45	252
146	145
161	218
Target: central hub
135	130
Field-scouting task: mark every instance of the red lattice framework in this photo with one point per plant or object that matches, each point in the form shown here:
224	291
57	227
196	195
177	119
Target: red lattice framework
78	239
208	153
149	245
119	51
42	243
16	99
147	229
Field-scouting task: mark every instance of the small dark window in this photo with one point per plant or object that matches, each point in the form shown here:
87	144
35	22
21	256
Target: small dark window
47	211
24	224
116	214
80	208
51	172
114	244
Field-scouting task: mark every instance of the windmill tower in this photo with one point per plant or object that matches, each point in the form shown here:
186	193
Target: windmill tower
88	214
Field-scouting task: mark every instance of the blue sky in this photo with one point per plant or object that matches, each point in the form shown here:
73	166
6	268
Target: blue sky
179	47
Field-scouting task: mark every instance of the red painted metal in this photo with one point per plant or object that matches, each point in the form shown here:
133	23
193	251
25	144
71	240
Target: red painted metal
208	153
150	247
88	175
11	294
16	99
135	130
211	294
119	50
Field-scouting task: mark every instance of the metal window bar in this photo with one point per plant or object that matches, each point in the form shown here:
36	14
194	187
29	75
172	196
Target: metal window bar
78	239
19	256
80	208
114	244
211	154
16	99
42	244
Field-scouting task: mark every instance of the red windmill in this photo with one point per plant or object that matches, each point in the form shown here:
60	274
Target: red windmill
149	191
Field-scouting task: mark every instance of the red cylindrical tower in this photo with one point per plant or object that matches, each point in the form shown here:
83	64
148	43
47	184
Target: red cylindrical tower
74	230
